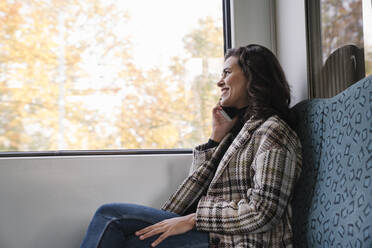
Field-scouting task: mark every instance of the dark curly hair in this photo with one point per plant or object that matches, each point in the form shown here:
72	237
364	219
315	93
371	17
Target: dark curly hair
267	88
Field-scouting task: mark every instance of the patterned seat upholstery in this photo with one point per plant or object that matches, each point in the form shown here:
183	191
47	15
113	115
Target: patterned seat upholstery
332	203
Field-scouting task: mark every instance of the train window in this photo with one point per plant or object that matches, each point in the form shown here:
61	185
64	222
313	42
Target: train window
107	74
340	44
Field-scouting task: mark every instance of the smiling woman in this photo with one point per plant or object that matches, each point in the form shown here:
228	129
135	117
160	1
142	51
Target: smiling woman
233	85
240	182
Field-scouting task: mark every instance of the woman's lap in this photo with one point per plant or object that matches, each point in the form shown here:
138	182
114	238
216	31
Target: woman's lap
113	225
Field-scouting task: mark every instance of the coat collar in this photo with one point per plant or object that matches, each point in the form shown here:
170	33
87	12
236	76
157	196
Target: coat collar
243	136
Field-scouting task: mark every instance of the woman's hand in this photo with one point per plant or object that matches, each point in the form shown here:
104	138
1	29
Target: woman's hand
220	126
168	227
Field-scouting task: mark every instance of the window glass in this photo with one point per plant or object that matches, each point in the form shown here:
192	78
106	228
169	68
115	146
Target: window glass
367	33
342	24
107	74
342	49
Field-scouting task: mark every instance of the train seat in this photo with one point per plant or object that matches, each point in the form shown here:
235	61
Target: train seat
332	203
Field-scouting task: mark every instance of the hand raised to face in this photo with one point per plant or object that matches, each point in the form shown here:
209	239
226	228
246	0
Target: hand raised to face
220	124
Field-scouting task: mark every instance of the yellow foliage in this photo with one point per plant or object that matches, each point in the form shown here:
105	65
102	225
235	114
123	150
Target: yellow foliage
40	71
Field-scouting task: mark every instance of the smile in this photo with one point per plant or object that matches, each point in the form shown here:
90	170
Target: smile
224	90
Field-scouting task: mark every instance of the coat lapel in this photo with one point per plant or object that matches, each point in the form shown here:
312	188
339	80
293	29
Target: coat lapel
243	136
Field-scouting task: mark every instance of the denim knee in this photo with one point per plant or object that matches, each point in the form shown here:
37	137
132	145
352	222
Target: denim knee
108	209
117	210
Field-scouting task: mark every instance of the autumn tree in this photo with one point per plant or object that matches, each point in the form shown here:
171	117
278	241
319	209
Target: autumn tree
342	24
41	59
164	110
25	61
206	43
51	56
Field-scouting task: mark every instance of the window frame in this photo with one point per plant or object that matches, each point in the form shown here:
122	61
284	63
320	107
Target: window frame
226	19
314	43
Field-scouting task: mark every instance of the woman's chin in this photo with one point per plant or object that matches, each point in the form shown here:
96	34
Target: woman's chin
225	103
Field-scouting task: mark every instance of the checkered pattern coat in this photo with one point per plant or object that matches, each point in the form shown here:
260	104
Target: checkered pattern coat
245	201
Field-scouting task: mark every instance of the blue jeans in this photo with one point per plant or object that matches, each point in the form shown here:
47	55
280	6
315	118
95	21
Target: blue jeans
113	225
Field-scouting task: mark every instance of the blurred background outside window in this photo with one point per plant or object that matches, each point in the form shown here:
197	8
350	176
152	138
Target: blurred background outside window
345	50
107	74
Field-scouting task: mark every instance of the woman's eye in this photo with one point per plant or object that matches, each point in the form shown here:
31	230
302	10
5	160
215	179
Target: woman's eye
224	73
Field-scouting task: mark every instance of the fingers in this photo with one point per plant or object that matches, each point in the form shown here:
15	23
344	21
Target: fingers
166	228
160	239
216	110
151	233
149	228
217	107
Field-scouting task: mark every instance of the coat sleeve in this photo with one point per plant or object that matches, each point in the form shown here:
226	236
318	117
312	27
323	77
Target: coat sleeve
201	155
201	173
276	171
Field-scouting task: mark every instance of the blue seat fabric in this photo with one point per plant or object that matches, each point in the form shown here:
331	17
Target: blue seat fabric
332	203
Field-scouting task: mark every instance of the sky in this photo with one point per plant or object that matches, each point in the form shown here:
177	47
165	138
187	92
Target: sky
157	26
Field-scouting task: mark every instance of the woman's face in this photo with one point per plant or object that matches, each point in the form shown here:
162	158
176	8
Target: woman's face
233	84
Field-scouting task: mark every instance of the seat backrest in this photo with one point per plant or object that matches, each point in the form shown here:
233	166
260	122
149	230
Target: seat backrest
332	203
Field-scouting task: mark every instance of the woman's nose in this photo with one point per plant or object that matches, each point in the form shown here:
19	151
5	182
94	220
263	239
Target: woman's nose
220	82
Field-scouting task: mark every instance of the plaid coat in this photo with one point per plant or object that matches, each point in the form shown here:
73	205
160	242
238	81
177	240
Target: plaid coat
245	201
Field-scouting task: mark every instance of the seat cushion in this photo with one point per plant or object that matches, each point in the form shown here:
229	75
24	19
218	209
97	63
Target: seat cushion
333	199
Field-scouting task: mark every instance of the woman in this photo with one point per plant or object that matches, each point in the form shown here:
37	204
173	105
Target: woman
241	182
